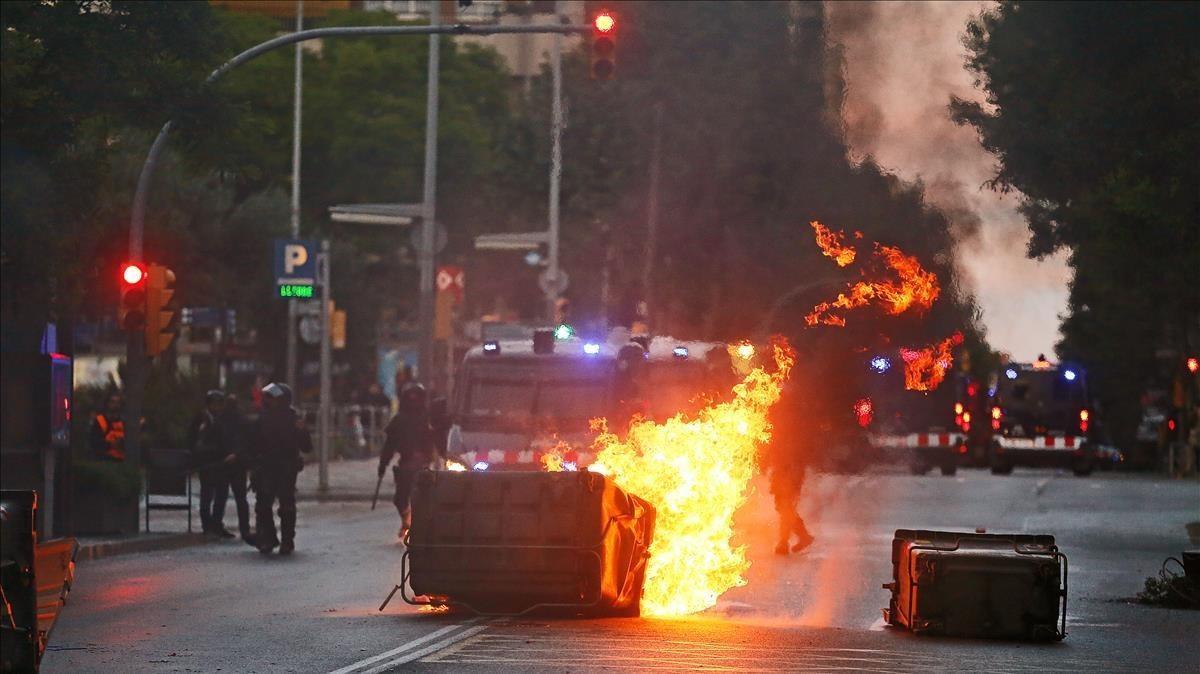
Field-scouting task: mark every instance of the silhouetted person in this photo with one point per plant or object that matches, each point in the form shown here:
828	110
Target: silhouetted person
788	456
409	435
233	424
278	440
210	445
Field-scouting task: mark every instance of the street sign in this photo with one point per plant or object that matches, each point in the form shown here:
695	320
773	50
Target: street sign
439	238
295	267
310	329
553	285
450	280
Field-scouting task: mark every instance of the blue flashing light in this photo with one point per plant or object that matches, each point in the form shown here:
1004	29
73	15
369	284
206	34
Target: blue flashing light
680	352
563	331
491	348
881	364
1069	375
1010	373
591	348
480	465
992	392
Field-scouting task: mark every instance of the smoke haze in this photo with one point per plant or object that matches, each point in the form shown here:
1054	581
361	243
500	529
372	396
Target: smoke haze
902	63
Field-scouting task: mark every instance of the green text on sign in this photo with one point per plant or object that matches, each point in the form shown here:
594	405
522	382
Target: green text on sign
295	290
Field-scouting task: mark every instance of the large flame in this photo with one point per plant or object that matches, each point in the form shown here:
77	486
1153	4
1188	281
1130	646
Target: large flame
913	287
696	471
924	369
833	244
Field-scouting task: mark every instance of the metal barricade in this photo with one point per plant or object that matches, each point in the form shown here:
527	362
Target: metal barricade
358	430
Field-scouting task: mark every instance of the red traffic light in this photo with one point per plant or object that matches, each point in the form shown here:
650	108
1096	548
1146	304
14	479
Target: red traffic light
604	22
132	274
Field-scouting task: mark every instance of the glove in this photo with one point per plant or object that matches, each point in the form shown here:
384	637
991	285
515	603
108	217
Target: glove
382	469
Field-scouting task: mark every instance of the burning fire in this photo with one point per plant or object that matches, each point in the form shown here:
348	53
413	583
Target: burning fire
696	471
924	369
833	244
912	287
454	466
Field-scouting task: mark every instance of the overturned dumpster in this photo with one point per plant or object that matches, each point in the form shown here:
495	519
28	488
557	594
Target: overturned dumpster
514	542
1008	586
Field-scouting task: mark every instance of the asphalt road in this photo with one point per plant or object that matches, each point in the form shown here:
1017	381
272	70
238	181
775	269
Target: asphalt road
223	607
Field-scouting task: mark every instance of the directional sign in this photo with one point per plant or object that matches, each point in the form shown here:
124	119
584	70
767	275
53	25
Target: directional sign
553	285
450	280
295	267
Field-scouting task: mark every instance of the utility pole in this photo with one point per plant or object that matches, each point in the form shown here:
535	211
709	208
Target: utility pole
428	220
324	425
296	99
556	126
652	214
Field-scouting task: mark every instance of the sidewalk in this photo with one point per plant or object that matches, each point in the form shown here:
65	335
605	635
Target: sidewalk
349	480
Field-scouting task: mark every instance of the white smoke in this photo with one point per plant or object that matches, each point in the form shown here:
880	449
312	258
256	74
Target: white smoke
903	61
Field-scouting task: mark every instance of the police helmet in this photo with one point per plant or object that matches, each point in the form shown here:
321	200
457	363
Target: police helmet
412	395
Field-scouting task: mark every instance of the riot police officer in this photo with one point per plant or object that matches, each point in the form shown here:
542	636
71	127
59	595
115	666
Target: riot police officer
278	440
410	436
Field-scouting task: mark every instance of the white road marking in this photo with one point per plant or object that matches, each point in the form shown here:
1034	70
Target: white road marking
356	667
432	648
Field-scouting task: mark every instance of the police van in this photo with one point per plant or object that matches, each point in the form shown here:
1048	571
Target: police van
516	400
1041	416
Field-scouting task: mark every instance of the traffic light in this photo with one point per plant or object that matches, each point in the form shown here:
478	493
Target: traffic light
160	310
131	314
604	45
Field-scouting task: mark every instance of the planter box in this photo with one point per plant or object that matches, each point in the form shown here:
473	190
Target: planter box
98	513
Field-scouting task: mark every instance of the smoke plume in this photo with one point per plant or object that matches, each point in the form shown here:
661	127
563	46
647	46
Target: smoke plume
902	61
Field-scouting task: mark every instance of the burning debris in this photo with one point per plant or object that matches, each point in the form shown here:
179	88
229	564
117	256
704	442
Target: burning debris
696	471
833	244
913	286
924	369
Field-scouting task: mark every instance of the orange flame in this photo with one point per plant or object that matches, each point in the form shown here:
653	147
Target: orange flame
913	287
696	471
925	369
833	244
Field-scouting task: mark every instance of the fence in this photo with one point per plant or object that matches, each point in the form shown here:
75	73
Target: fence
357	429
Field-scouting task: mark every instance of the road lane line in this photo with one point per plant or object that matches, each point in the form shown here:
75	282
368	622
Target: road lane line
432	648
405	647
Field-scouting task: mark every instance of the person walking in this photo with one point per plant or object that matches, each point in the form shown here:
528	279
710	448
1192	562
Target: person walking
209	445
233	425
787	461
106	435
278	440
409	436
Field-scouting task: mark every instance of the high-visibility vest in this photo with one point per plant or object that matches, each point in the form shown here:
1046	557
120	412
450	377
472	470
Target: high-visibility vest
114	437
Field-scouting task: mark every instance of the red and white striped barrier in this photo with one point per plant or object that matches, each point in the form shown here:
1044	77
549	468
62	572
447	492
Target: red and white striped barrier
1042	442
917	440
531	457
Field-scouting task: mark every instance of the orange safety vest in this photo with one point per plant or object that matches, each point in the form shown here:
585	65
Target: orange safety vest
114	437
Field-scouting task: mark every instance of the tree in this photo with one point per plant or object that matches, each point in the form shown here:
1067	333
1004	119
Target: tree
79	80
1093	112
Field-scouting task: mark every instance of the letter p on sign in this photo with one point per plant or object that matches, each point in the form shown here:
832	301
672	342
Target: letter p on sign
294	255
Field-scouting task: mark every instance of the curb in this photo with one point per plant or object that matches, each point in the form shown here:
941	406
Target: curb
95	551
341	497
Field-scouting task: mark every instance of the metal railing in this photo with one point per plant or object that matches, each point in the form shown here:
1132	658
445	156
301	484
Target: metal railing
358	430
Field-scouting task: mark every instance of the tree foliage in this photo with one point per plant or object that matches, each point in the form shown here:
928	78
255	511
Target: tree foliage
1094	112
